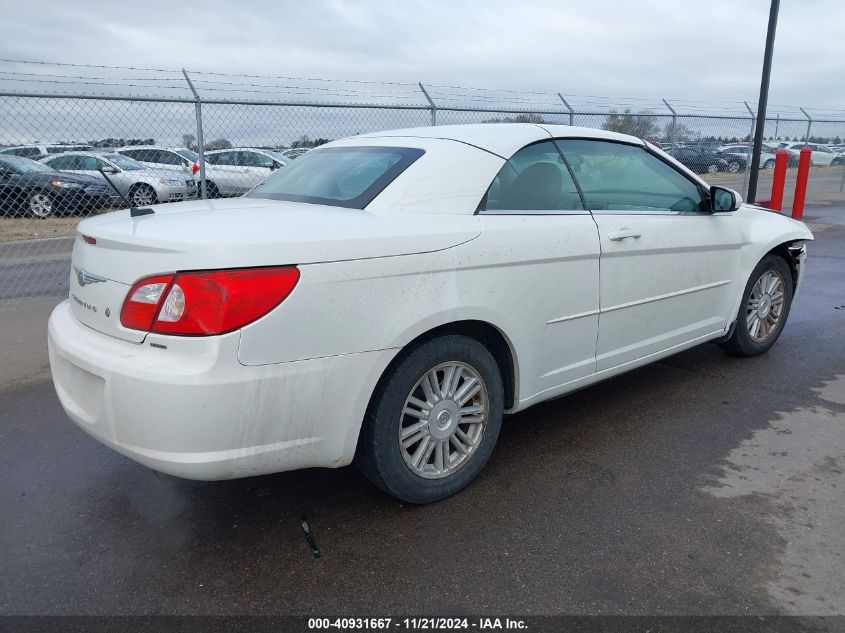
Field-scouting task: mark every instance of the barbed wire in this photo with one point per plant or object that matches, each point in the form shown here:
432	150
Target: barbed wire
402	91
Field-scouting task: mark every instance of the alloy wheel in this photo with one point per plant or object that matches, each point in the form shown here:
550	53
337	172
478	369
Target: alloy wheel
765	306
40	205
142	196
443	420
712	169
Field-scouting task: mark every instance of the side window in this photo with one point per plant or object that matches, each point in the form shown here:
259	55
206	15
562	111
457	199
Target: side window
533	179
212	159
90	163
132	153
29	152
254	159
167	158
226	158
620	177
63	163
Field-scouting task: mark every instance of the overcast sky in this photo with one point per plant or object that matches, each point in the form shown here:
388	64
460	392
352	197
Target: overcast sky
710	50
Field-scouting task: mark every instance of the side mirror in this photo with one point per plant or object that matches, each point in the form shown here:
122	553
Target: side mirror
111	170
274	166
723	199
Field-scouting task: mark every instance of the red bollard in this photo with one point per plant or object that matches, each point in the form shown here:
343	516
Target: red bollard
801	183
779	180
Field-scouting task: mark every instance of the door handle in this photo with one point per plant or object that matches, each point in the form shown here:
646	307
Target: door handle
622	234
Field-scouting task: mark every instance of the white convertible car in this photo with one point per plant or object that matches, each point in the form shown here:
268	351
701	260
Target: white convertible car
386	298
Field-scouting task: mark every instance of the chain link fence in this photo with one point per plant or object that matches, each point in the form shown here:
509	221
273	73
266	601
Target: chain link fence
67	154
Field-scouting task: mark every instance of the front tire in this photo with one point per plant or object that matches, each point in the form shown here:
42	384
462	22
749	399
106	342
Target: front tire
712	169
433	421
769	164
764	308
141	195
40	205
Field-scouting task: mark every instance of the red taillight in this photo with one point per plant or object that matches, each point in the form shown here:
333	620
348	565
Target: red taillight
206	303
88	239
195	168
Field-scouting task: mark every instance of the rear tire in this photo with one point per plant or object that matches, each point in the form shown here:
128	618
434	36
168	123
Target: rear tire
763	310
769	164
211	190
734	166
421	442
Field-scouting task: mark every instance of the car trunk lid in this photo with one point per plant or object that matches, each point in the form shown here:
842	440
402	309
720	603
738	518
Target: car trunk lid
236	233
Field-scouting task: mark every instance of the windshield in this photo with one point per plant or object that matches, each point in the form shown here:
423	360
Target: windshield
22	165
124	162
338	176
186	153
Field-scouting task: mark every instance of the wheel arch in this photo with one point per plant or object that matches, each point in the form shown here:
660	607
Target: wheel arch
786	251
489	335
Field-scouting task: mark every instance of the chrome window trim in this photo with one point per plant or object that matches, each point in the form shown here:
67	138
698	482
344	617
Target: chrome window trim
535	212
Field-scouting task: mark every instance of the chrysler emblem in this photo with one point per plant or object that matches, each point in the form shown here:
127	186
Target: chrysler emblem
84	277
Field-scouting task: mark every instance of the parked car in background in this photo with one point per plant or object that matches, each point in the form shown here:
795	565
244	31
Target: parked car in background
295	152
736	162
163	158
767	154
822	155
35	151
699	160
141	184
237	170
31	188
387	298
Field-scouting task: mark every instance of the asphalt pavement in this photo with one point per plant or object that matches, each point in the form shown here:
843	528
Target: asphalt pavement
703	484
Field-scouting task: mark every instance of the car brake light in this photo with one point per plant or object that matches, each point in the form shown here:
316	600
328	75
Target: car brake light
207	302
195	168
88	239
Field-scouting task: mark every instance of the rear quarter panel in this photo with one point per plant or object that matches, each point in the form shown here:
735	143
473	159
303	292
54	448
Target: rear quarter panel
521	273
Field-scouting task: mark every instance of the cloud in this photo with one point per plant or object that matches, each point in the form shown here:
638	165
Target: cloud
648	49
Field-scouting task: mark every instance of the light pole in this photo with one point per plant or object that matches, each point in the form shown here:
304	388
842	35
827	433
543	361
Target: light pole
761	105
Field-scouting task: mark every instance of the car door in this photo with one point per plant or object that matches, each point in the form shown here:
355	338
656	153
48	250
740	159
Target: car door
257	166
226	173
9	191
689	157
550	282
668	266
91	166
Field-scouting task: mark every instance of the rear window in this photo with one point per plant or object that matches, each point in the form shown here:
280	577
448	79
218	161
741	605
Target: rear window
338	176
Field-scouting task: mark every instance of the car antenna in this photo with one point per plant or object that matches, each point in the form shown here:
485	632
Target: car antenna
133	210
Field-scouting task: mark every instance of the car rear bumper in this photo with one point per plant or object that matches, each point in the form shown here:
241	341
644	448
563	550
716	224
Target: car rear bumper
192	410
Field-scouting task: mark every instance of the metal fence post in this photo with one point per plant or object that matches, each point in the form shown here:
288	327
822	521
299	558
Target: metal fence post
200	144
809	124
674	123
777	125
568	107
431	103
750	149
